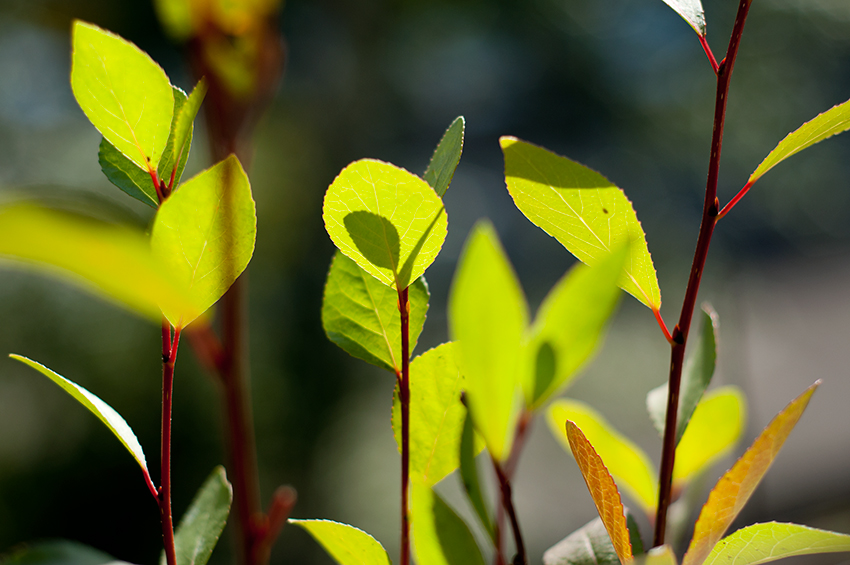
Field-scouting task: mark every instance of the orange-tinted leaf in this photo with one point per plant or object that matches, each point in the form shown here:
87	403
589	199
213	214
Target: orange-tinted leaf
603	490
736	486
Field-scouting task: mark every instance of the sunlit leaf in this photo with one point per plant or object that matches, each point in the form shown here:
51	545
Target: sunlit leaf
627	463
738	483
602	489
59	552
570	324
691	11
436	415
126	175
827	124
202	524
487	317
204	233
112	261
180	138
360	314
661	555
717	424
123	92
388	220
104	412
762	543
443	163
440	536
696	375
469	475
582	210
591	545
346	544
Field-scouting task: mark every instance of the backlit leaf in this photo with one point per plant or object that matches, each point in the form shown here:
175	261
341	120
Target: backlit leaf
570	324
360	314
104	412
696	375
469	475
436	415
691	11
204	233
762	543
604	492
738	483
716	426
582	210
440	536
123	92
346	544
627	463
827	124
113	261
202	524
180	138
487	317
388	220
591	545
443	163
59	552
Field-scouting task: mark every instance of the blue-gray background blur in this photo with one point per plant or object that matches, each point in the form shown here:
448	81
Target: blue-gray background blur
620	85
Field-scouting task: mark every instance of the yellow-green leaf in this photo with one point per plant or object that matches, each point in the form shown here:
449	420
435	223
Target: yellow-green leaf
627	463
583	210
440	536
487	318
661	555
388	220
112	261
346	544
827	124
738	483
180	138
569	325
104	412
123	92
204	233
762	543
602	489
716	425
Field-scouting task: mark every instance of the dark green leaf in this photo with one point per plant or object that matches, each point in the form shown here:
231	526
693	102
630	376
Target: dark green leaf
59	552
202	524
126	175
360	314
446	157
440	537
180	138
469	476
591	545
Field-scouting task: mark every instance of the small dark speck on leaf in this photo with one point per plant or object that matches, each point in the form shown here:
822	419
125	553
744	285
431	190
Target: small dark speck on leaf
605	210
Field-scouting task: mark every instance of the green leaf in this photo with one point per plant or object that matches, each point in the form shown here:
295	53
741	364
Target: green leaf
59	552
762	543
570	324
204	233
696	375
112	261
440	536
180	137
104	412
446	157
661	555
176	17
436	415
469	476
360	314
827	124
591	545
388	220
691	11
628	464
346	544
202	524
126	175
582	210
716	426
123	92
487	317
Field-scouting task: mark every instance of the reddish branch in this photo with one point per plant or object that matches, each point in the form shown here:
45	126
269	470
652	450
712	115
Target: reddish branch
505	475
169	356
709	217
404	400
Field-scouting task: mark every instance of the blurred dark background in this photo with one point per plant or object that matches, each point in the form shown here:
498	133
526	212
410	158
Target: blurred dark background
619	85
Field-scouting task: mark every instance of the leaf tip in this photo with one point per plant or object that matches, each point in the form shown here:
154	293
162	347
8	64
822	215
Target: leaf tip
507	140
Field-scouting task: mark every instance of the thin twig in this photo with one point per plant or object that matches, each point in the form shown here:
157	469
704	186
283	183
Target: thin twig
169	357
404	400
507	500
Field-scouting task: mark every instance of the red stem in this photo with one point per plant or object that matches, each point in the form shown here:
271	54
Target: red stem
663	326
735	200
705	47
521	434
404	400
508	504
169	356
680	332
